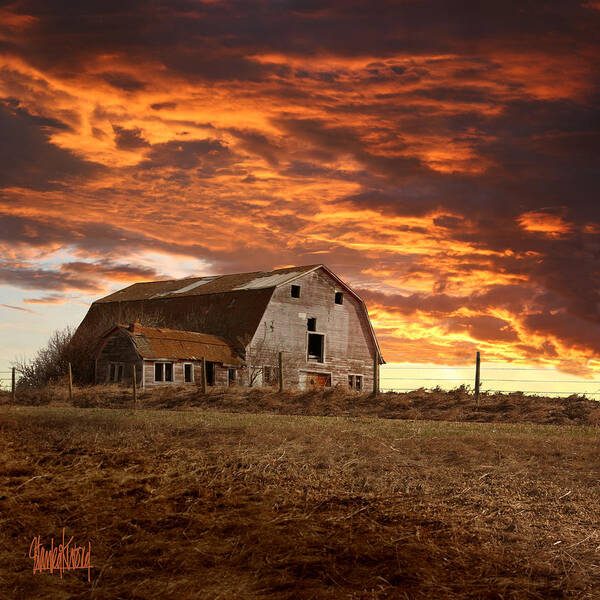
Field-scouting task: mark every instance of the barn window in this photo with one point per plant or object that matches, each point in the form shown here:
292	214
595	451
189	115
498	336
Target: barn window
188	373
351	381
339	298
269	375
295	291
163	371
316	342
111	371
358	382
312	324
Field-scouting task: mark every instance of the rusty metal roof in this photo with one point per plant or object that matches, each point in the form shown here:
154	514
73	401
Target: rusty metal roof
161	343
213	284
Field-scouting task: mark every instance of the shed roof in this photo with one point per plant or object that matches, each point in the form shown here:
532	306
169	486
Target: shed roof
213	284
160	343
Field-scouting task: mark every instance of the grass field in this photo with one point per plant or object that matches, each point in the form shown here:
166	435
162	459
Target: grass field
199	504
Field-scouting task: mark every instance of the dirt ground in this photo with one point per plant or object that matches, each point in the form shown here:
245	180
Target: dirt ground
206	504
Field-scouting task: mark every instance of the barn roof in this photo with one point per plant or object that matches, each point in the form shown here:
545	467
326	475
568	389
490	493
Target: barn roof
213	284
161	343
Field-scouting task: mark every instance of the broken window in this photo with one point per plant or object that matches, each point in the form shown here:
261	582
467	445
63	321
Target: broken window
339	298
270	375
312	324
351	381
358	382
188	373
231	376
316	342
163	371
295	291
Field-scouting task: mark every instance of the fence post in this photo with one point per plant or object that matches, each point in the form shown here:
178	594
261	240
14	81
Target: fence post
134	386
477	378
203	374
281	383
70	384
14	387
376	374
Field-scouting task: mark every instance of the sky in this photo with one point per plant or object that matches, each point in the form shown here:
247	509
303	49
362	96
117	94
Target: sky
442	158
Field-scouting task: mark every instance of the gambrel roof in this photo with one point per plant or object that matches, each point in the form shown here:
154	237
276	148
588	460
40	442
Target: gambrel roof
228	306
212	284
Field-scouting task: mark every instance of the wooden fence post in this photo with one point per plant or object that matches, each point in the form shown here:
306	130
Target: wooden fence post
477	378
14	386
134	386
203	374
376	375
70	384
281	382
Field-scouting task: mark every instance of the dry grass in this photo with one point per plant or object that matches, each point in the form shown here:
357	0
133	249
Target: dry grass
456	405
197	504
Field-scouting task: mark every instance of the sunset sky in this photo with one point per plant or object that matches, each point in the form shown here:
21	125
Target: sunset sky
442	158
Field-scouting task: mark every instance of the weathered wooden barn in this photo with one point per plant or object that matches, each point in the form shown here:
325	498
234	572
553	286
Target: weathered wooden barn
239	323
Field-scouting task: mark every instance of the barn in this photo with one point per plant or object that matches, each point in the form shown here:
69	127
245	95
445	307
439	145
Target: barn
240	324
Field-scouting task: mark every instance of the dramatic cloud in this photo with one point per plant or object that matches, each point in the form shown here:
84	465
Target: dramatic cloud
443	159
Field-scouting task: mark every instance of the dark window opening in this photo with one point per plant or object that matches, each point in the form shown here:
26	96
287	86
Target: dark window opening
210	373
351	381
119	373
163	371
339	298
295	291
358	382
231	376
187	373
111	371
312	324
315	346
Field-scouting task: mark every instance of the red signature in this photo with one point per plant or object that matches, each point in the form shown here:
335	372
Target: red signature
63	557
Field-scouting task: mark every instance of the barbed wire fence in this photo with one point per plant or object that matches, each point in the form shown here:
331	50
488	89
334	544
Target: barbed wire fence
490	377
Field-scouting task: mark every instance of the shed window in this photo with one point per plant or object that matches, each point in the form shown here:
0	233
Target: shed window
188	373
295	291
115	372
316	342
312	324
358	382
231	376
339	298
163	371
351	381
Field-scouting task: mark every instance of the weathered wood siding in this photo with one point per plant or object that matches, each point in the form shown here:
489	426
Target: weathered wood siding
349	348
221	373
119	350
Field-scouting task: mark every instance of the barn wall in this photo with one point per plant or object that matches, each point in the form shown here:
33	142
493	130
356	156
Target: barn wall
221	374
349	348
233	316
